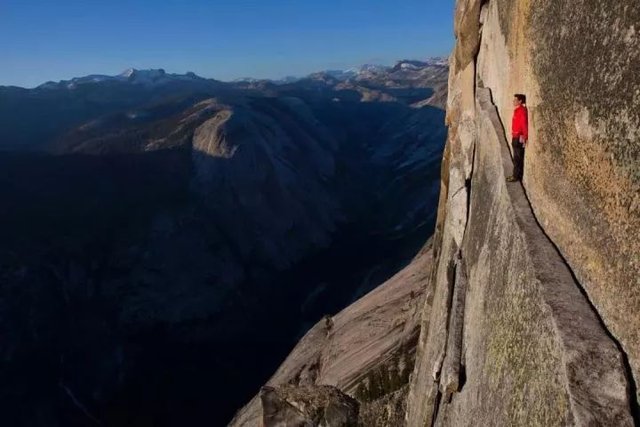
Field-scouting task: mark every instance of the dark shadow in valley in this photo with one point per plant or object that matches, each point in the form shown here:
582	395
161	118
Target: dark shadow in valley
81	341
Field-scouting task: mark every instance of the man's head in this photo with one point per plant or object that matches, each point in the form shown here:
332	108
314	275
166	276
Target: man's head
519	99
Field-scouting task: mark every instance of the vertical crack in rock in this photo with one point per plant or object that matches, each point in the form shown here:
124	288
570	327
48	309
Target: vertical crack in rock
451	278
467	184
447	372
436	410
450	381
443	331
437	369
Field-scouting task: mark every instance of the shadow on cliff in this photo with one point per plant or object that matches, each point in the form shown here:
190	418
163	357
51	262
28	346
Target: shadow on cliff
75	226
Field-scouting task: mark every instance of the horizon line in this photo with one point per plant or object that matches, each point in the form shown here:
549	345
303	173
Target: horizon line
374	62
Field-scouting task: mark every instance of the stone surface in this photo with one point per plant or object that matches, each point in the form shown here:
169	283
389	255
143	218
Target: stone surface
366	350
389	410
536	349
466	28
452	375
274	207
578	63
450	228
307	406
543	354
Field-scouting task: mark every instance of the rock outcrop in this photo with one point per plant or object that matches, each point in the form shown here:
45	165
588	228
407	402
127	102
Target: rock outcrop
366	351
533	314
307	406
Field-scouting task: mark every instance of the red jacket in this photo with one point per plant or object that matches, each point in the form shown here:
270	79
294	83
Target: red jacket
520	122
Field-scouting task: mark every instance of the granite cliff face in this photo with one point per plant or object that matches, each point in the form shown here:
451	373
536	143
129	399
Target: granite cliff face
532	318
531	313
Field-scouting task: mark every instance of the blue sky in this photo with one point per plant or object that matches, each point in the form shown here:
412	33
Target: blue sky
223	39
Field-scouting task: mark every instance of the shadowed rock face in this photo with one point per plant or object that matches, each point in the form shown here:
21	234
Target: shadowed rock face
307	406
155	239
265	171
531	318
367	350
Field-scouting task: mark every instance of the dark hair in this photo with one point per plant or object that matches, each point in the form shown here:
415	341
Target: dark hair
522	98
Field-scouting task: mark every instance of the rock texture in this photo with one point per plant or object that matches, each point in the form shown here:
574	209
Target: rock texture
366	350
578	65
263	171
533	316
307	406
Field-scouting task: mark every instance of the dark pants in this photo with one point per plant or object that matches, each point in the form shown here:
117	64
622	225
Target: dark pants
518	158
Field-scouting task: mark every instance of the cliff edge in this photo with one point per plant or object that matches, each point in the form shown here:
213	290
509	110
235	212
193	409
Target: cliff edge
531	314
366	351
532	317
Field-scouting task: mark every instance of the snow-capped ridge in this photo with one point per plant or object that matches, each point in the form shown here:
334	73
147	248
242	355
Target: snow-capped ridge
127	73
148	77
144	76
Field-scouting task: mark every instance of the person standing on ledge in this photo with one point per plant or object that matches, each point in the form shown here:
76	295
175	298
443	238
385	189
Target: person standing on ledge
520	134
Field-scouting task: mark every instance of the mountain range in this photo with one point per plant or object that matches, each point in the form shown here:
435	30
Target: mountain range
159	230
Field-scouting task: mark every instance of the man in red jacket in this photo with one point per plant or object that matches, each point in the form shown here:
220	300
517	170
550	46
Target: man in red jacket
520	134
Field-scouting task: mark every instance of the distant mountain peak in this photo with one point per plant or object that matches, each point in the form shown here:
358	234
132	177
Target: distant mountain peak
150	76
373	68
127	73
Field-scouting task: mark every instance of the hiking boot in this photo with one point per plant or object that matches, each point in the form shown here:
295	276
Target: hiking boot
512	179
